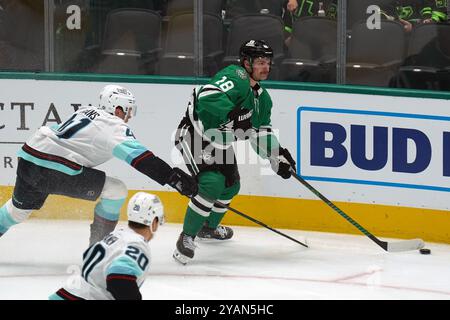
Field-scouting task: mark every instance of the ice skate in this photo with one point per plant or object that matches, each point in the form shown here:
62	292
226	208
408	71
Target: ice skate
185	248
220	233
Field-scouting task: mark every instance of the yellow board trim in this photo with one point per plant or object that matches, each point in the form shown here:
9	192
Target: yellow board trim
283	213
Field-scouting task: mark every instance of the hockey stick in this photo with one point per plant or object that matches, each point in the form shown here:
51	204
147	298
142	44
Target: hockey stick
220	204
404	245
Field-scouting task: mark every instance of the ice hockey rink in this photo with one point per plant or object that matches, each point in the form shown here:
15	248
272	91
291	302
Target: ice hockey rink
40	256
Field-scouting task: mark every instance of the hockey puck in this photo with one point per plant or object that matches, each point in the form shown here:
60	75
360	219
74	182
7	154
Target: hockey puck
425	251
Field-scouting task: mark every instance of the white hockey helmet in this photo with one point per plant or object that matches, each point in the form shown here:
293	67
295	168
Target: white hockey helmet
144	207
113	96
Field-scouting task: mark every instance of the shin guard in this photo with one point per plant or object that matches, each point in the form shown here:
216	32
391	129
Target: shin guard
106	216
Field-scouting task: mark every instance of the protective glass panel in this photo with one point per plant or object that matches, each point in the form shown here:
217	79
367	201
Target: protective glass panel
112	37
22	35
398	44
310	30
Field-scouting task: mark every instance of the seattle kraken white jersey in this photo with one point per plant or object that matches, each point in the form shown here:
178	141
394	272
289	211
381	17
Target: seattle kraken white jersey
123	253
88	138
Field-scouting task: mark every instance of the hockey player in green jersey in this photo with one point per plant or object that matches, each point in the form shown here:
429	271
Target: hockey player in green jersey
232	106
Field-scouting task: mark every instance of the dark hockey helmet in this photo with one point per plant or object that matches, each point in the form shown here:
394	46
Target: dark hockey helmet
252	49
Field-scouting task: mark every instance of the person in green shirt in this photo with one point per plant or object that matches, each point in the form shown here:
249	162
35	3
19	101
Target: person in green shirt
434	11
232	106
296	9
415	12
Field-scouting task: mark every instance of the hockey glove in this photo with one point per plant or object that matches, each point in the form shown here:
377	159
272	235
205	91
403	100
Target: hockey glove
283	163
242	122
183	183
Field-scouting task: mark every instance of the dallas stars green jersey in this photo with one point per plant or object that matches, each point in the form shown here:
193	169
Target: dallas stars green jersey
228	89
417	10
435	9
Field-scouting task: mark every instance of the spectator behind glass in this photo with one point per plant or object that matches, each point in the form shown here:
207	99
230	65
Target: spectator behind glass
295	9
434	11
415	12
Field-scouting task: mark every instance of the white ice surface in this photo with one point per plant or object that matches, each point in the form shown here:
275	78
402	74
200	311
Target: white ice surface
39	256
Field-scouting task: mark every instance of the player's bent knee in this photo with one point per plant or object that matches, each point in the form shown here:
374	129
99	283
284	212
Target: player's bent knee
114	189
235	188
231	191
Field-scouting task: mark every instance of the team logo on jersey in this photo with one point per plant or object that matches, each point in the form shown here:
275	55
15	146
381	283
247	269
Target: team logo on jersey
241	74
245	116
129	133
206	156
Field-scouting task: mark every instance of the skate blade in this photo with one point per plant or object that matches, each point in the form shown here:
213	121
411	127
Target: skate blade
180	257
207	239
200	239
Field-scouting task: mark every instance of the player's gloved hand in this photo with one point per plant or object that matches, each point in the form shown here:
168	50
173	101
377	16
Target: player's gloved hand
242	122
283	163
184	183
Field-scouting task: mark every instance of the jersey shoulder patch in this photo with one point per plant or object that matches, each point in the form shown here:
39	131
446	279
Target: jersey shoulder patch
235	73
242	74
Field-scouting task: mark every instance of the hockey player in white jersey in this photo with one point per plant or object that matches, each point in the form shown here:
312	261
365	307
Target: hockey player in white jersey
60	160
117	266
